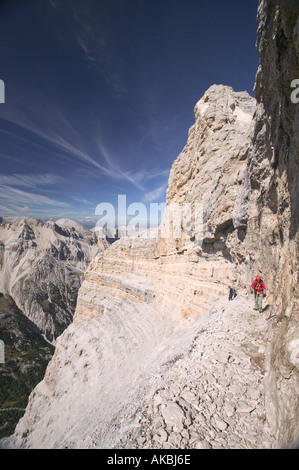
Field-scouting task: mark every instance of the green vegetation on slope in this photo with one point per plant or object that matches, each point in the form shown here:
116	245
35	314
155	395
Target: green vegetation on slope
26	357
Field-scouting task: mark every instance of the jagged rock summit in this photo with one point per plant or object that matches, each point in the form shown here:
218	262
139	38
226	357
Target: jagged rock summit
42	266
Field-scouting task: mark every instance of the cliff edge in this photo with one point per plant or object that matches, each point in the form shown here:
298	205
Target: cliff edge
272	210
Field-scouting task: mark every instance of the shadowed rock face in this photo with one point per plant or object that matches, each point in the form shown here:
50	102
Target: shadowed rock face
273	212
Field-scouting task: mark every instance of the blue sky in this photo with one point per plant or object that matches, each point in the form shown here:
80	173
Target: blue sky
99	95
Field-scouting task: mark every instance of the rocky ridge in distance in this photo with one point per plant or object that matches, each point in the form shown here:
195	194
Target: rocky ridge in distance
42	267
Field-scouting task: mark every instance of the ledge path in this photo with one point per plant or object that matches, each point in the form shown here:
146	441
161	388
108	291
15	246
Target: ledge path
213	396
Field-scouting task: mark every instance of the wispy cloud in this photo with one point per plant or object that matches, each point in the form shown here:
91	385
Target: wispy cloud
30	180
53	128
18	196
90	27
70	146
112	169
101	56
83	201
140	179
7	210
16	201
156	193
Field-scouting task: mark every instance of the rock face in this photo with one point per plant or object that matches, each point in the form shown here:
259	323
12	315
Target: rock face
178	277
152	358
212	169
273	214
42	267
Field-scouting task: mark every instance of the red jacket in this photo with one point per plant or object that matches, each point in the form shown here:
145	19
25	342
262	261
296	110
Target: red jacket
258	286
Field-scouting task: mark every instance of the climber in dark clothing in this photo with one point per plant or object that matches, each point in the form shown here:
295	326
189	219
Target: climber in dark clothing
232	293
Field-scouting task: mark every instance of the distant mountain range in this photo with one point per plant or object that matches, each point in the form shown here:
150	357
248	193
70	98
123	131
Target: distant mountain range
42	265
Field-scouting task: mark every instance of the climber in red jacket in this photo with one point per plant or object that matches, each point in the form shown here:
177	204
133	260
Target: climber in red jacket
259	289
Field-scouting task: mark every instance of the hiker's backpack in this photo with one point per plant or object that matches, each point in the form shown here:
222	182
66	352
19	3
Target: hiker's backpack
258	285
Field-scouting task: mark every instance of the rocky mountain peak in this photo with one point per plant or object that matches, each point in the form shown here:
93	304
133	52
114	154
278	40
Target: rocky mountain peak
211	167
42	266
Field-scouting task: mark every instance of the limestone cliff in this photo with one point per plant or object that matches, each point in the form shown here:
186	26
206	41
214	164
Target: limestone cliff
156	356
184	275
273	214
